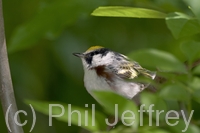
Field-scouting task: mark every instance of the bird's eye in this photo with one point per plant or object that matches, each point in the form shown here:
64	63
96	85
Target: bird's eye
96	52
92	54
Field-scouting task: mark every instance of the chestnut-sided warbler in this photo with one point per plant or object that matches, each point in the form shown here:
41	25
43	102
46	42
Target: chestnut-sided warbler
108	70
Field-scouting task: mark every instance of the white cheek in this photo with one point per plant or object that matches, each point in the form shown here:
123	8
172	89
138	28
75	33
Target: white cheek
98	60
85	65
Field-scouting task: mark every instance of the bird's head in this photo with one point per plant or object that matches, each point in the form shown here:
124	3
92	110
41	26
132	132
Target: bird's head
95	56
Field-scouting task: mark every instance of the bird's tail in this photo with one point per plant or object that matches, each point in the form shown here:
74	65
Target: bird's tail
148	73
144	71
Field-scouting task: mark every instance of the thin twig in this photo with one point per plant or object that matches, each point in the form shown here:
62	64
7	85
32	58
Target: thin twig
6	88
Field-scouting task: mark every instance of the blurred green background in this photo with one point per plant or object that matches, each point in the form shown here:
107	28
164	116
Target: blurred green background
41	36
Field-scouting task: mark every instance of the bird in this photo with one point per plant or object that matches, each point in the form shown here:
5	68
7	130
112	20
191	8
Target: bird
107	70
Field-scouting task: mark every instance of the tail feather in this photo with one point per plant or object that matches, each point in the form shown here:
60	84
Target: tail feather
144	71
148	73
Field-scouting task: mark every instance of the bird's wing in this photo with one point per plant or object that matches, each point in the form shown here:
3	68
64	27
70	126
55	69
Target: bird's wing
123	67
127	69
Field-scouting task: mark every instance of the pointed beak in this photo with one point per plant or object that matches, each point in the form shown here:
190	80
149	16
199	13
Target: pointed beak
78	54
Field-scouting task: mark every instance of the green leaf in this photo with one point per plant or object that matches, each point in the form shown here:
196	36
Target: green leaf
174	92
181	127
191	50
119	129
161	60
195	85
154	101
95	123
194	6
182	25
196	70
152	129
156	131
116	104
120	11
196	95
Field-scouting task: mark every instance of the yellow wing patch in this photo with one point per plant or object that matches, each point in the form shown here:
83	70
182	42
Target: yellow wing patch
94	48
127	71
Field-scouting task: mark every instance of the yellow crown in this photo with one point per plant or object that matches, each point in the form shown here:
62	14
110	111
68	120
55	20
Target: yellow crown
94	48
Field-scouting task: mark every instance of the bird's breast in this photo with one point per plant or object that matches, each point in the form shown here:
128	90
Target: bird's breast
94	82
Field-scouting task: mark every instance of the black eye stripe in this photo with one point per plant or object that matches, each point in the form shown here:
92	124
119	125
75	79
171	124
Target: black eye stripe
88	59
102	51
92	54
96	52
89	56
